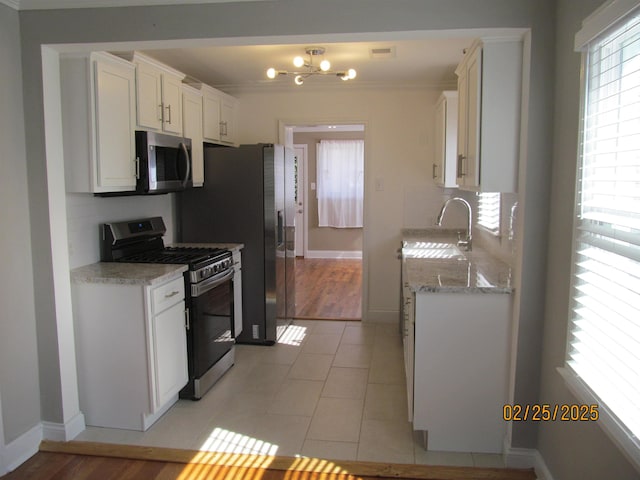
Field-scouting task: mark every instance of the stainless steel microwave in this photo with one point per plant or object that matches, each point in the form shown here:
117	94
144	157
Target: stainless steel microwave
164	163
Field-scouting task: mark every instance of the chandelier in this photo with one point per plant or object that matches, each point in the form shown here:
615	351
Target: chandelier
307	67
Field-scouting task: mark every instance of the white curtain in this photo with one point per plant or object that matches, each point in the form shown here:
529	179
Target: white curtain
340	178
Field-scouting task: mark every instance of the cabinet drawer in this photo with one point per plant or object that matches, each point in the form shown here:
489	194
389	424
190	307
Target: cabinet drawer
166	295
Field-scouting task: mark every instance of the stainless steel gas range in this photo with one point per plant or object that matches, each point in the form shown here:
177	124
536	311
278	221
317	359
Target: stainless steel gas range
208	299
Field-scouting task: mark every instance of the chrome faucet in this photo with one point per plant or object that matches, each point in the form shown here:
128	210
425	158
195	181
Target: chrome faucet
466	242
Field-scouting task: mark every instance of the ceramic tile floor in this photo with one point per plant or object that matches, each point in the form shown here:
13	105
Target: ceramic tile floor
334	390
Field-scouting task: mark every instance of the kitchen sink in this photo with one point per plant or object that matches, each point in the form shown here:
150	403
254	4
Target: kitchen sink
432	250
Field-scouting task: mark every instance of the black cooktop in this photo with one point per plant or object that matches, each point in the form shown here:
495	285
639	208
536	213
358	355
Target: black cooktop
181	255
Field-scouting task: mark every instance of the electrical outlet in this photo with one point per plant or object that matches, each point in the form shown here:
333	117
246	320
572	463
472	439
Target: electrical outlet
256	331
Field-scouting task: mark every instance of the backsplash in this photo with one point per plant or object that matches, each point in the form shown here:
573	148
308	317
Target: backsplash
85	213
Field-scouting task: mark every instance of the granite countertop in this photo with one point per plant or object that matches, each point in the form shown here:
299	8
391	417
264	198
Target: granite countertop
117	273
431	264
126	273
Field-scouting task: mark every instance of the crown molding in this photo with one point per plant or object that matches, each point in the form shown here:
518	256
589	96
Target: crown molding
235	89
59	4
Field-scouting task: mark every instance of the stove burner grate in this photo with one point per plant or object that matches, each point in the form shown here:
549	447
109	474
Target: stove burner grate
179	255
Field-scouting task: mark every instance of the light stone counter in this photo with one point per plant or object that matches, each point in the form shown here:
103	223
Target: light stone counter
455	271
126	273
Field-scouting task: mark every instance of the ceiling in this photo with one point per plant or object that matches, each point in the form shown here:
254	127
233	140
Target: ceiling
412	63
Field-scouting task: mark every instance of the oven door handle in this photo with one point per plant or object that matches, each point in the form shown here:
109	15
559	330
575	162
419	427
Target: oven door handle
210	283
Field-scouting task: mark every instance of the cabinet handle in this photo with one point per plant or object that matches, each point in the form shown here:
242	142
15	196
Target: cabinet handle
137	167
187	324
161	113
461	159
168	107
433	173
172	294
223	129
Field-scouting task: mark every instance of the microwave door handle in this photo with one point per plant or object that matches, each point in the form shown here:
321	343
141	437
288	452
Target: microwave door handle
187	169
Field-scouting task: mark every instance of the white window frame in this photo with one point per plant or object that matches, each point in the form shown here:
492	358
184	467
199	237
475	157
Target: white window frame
607	16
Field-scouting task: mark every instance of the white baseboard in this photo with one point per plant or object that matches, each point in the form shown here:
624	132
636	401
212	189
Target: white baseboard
333	254
527	458
63	432
20	450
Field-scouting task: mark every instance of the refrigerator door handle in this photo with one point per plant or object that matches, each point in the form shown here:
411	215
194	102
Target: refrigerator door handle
280	229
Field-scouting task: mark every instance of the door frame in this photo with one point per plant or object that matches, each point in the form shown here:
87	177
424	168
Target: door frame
304	191
285	137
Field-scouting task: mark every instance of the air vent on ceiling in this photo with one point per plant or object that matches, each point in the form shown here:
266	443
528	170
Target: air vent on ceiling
383	52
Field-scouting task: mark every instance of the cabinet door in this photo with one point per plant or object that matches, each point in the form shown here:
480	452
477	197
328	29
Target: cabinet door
211	117
437	171
227	120
472	163
463	100
115	126
408	337
170	353
172	104
192	128
149	96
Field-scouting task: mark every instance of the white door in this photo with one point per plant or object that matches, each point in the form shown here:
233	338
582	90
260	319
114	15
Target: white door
301	195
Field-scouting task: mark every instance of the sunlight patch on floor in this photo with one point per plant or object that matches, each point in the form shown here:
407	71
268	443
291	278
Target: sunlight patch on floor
293	335
222	440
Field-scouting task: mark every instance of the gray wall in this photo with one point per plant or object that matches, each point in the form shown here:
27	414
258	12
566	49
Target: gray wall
572	450
326	238
280	18
19	391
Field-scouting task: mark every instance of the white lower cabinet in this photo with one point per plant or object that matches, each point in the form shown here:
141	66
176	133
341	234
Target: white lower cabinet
131	351
457	351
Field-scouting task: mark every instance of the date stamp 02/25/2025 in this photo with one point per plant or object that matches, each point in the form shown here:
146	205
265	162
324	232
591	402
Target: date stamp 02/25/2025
547	412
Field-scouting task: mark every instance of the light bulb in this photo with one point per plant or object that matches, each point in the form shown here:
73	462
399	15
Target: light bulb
325	65
298	80
298	62
352	73
271	73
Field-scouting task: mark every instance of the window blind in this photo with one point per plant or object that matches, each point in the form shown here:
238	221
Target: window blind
489	211
604	329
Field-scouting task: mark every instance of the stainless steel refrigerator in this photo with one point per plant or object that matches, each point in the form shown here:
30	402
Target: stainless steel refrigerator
249	197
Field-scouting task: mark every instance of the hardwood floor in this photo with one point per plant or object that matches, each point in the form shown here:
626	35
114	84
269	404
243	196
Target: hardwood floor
85	460
328	289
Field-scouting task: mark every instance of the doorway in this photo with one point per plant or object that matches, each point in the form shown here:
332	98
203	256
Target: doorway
328	259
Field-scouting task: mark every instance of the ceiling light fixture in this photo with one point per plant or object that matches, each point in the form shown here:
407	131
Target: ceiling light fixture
310	68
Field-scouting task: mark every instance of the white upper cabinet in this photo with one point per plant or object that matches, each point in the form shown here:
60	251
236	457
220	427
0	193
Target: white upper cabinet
159	95
489	99
228	119
219	116
445	140
98	122
211	114
192	128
